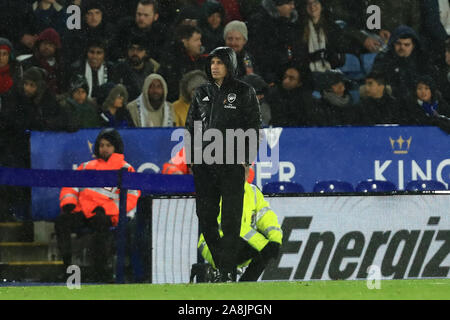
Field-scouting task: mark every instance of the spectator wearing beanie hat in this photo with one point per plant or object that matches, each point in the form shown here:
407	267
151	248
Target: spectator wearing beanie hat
48	56
10	70
212	24
235	35
272	33
93	26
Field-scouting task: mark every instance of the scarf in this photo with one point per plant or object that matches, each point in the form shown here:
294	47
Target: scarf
6	81
145	116
430	108
337	101
102	76
317	42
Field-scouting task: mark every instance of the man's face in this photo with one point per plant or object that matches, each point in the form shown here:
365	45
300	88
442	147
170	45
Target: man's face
155	90
106	149
4	57
29	88
193	45
136	55
374	89
79	95
96	57
47	49
145	16
235	40
338	89
285	10
291	79
423	92
404	47
218	69
214	20
94	18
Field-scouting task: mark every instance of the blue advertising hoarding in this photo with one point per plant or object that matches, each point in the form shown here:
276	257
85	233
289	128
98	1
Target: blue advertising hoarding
304	155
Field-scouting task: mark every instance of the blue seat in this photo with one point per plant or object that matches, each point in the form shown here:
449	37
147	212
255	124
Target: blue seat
332	186
367	61
282	187
375	186
352	67
425	185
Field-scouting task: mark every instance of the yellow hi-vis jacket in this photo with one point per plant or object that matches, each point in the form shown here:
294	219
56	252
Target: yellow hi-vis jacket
259	223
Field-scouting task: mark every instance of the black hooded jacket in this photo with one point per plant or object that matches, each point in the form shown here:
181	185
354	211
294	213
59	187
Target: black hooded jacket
233	105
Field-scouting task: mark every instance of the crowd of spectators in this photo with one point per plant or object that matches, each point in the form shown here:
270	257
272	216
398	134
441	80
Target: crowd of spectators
136	63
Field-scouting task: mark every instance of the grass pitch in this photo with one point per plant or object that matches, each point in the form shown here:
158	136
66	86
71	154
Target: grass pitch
295	290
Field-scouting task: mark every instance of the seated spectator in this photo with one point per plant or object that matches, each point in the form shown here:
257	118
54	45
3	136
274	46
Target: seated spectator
183	55
49	14
10	69
403	62
93	26
212	23
151	108
236	37
428	105
48	56
137	66
320	44
232	9
94	65
17	25
97	208
145	24
112	100
272	34
291	102
444	73
38	102
188	84
261	89
336	104
81	110
377	105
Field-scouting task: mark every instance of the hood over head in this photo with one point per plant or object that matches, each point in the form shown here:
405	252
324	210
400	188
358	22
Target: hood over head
402	32
38	76
148	81
228	57
271	7
190	81
113	136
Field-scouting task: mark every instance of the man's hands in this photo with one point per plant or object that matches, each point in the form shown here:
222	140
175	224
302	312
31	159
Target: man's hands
271	250
99	210
68	208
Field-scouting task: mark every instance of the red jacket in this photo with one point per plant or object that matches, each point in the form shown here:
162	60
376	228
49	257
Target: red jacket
87	199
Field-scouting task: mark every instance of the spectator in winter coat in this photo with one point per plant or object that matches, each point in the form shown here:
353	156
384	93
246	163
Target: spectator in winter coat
10	70
320	40
261	89
404	61
271	37
377	106
212	24
151	108
138	65
236	37
428	107
113	100
93	26
49	14
48	56
188	84
95	65
444	73
291	102
183	55
81	110
38	102
336	104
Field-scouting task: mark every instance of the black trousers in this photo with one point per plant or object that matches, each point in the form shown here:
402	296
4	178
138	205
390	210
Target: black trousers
213	182
67	223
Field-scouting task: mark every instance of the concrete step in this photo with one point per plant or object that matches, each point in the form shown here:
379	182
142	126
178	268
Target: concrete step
23	251
31	271
16	232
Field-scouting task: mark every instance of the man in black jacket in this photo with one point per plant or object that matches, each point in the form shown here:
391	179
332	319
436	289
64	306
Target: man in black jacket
223	103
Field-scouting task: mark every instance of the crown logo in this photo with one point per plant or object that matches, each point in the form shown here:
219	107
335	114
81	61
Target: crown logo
400	145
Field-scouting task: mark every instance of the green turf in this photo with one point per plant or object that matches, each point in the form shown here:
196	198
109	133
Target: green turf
390	289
